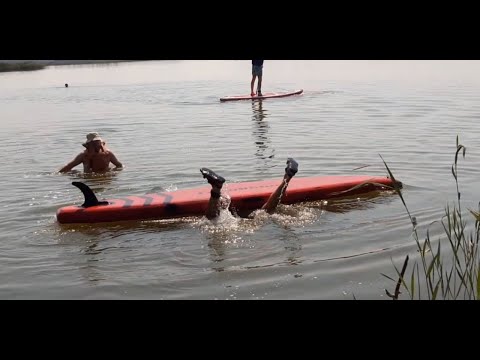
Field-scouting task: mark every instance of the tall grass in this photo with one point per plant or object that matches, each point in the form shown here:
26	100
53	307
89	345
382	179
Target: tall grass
444	274
4	67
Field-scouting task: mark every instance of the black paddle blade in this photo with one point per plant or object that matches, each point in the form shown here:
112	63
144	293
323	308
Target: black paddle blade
90	198
212	178
292	167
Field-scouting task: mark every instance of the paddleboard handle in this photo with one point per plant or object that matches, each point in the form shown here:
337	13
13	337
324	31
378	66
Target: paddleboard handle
90	198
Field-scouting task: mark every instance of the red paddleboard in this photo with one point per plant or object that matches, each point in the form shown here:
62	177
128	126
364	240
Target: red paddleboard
271	95
245	196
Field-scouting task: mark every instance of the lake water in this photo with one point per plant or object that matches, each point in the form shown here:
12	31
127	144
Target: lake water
164	120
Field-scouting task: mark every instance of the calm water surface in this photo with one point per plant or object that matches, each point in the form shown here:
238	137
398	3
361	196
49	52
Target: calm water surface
164	121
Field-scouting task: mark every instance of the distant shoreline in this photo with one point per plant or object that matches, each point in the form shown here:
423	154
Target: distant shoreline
30	65
4	67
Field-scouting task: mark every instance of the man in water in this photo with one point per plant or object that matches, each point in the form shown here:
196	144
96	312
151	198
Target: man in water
257	71
213	209
96	158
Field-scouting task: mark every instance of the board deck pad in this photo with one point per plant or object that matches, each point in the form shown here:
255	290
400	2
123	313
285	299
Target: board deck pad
270	95
245	196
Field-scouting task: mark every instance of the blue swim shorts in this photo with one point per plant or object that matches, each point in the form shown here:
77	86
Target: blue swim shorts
257	70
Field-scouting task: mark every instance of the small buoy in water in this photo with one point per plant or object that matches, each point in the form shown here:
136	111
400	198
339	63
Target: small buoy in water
66	85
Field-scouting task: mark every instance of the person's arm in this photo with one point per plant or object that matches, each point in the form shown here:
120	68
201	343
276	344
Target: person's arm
77	161
115	161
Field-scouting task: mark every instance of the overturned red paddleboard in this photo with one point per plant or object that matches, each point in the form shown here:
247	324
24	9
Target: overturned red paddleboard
264	96
245	196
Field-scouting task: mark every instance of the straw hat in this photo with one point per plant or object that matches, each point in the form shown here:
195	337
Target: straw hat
92	137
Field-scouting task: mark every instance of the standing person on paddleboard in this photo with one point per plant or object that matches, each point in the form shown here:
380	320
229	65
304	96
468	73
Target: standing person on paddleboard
96	158
257	71
214	204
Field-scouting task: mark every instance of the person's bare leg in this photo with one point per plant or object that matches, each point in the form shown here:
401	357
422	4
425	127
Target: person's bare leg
252	84
277	195
213	209
259	85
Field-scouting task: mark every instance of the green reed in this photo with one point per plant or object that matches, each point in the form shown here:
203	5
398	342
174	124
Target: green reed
445	274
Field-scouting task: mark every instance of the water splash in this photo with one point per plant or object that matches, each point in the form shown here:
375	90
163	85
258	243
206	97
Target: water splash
284	186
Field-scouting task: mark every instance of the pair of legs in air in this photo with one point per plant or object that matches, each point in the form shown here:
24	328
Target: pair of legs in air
217	181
